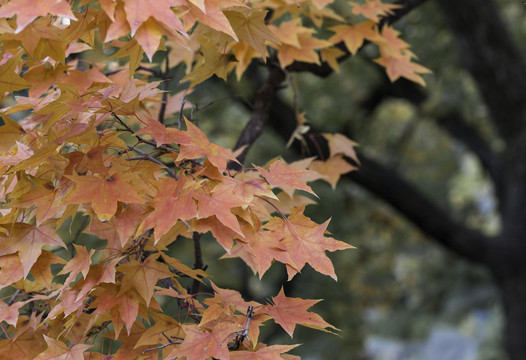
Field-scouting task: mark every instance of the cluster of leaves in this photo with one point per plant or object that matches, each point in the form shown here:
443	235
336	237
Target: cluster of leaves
93	141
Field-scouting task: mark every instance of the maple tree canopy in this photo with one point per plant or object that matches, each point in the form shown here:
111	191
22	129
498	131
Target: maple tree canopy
92	139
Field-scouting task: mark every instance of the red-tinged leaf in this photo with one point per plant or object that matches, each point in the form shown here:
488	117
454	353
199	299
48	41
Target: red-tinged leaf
10	270
128	308
259	249
138	11
172	202
287	177
195	145
332	168
102	192
9	313
210	13
143	276
222	233
159	132
28	10
58	350
289	312
267	353
98	273
340	144
200	344
84	79
306	243
80	264
109	7
219	204
28	240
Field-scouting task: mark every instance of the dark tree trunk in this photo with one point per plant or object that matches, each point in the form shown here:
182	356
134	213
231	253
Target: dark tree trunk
513	294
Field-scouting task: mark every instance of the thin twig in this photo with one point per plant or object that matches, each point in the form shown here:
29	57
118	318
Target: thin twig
145	156
198	254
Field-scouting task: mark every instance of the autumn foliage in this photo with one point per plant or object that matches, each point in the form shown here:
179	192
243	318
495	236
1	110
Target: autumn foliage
92	140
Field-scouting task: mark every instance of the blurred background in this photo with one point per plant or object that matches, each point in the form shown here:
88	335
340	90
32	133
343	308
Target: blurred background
399	294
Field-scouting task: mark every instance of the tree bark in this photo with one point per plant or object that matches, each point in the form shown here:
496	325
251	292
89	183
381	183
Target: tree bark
513	294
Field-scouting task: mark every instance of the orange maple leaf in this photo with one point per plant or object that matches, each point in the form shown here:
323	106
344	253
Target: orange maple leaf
138	11
219	203
143	276
332	168
102	192
267	353
58	350
172	202
259	249
402	66
194	145
28	240
306	243
201	344
289	312
287	177
28	10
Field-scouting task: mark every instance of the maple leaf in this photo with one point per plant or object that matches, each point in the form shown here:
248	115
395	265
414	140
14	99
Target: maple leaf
209	12
58	350
373	9
28	241
200	344
9	313
28	10
267	353
340	144
306	243
354	35
160	133
143	276
259	249
102	192
10	132
9	79
137	12
172	202
44	197
156	334
289	312
10	269
41	270
287	177
251	27
332	168
219	203
194	145
402	66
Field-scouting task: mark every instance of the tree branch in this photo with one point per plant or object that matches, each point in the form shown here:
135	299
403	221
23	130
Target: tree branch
489	54
260	111
455	125
422	212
